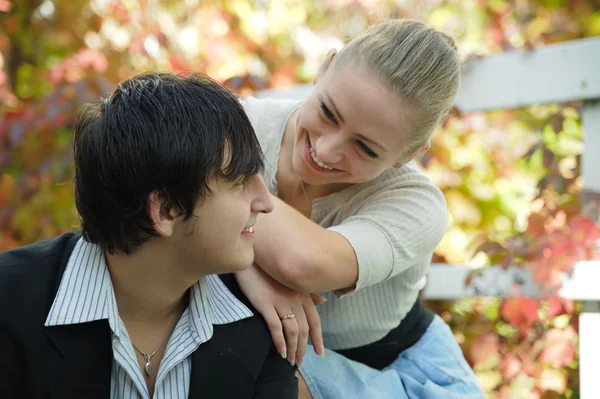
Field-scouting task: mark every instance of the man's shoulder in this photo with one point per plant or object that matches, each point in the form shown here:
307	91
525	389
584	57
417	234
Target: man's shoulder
29	275
21	262
250	336
255	322
37	250
232	285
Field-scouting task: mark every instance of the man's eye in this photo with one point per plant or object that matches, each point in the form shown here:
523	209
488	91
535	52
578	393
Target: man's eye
241	181
366	149
328	114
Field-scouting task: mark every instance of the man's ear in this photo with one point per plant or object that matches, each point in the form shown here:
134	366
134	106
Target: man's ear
162	217
325	64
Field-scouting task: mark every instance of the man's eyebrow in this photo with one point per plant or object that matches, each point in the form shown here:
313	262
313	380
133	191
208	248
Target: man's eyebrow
358	134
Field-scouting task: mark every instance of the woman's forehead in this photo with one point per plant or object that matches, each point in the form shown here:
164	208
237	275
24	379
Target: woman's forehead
368	107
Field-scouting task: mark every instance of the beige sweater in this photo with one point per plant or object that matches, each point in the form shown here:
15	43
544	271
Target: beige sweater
393	223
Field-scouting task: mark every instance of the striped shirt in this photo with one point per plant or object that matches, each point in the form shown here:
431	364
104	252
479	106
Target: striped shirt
86	294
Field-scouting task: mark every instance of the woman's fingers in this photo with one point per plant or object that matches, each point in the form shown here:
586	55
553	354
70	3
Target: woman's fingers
314	325
274	324
290	328
302	334
318	299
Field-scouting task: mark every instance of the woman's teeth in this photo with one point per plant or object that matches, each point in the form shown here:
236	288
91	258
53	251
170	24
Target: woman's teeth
316	160
248	230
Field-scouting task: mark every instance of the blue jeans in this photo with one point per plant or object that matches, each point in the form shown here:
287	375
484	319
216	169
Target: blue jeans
433	368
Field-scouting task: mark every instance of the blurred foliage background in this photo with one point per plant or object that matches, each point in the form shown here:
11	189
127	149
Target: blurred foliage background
511	178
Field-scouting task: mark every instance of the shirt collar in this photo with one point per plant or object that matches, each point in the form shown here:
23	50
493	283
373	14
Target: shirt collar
86	294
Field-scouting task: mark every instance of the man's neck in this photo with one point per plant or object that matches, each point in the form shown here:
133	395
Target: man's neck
148	288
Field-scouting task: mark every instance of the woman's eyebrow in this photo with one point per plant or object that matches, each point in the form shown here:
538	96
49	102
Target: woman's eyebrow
339	115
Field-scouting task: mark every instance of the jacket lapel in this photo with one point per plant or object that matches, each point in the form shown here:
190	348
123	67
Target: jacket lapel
218	372
80	362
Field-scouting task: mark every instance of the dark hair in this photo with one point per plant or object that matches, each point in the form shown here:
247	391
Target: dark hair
160	132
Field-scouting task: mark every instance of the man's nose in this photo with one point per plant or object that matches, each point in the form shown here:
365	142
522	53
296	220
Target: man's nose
262	202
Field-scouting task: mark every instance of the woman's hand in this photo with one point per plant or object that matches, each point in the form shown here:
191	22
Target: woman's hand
274	301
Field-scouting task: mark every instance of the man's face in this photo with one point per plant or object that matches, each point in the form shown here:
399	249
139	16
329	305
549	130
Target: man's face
219	237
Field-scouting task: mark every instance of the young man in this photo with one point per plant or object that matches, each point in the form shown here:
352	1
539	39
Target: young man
168	190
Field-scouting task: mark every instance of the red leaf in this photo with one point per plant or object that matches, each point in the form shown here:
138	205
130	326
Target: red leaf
483	347
520	312
559	348
584	230
536	224
510	366
5	5
558	306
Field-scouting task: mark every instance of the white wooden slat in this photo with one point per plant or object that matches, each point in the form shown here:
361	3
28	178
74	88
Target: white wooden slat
589	350
557	73
590	163
448	282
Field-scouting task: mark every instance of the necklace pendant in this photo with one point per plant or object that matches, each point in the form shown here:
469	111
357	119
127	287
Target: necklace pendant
149	367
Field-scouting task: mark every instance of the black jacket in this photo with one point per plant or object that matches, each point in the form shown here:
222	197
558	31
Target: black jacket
74	361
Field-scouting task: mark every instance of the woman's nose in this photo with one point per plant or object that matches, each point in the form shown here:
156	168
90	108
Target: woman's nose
329	148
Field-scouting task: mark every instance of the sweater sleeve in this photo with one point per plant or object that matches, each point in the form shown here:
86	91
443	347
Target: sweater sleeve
397	227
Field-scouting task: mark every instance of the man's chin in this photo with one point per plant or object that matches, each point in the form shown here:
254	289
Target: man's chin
241	266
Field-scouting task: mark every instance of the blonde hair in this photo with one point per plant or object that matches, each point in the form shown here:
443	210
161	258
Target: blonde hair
413	61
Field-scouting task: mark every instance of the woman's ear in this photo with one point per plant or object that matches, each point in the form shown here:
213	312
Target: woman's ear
426	147
422	151
325	64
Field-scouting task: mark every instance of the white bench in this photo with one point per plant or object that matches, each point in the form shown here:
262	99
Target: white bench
556	73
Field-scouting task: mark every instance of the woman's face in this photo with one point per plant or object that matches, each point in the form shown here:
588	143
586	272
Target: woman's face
350	129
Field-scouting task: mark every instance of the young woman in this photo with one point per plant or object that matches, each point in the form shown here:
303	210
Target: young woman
356	220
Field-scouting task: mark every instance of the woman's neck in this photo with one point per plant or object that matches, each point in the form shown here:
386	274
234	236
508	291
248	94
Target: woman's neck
287	180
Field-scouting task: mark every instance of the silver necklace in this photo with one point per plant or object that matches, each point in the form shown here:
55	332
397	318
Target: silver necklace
148	357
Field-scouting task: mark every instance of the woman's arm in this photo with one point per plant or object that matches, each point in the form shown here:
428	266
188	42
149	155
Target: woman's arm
302	255
392	229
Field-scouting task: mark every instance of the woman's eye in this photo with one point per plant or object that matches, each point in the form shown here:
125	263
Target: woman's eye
366	149
328	114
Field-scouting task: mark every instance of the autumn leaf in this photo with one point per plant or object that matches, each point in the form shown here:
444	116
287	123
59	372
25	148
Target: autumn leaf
536	224
558	306
510	366
484	348
559	347
5	5
521	312
585	231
